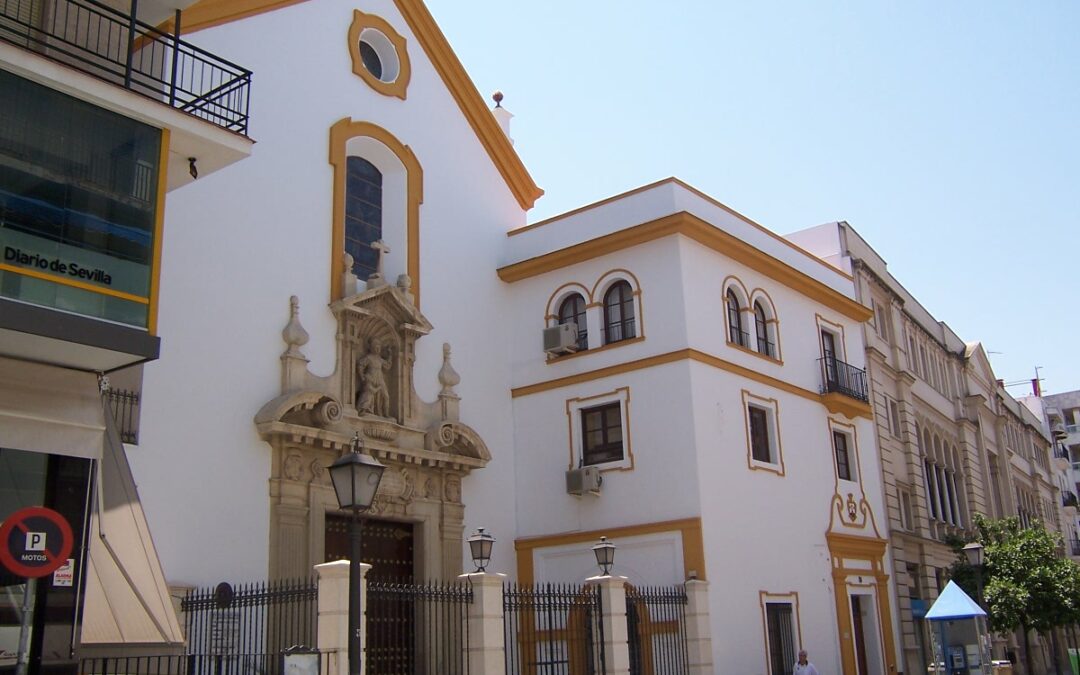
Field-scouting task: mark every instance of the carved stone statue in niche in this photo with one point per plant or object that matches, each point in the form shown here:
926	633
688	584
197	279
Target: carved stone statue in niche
372	395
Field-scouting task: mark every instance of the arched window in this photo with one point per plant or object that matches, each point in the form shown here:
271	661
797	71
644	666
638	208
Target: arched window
572	310
734	318
363	214
761	328
619	313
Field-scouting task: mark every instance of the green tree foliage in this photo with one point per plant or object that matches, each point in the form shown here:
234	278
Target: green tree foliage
1026	583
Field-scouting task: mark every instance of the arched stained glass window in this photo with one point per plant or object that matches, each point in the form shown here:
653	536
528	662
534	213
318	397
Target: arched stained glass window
363	214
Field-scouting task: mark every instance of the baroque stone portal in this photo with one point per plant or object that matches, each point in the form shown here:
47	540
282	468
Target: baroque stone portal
426	448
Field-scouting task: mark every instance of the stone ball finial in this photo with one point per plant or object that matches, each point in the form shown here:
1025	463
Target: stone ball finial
497	97
294	334
448	377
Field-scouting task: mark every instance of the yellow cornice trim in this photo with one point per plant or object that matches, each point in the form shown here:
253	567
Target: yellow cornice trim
690	528
588	207
857	408
705	234
472	105
209	13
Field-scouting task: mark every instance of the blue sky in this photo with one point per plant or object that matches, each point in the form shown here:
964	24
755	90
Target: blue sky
946	133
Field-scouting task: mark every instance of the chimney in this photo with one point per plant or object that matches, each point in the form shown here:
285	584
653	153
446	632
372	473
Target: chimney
502	115
1000	383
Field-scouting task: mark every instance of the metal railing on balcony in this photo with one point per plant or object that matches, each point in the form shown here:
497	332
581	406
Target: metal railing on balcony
843	378
1068	498
125	410
116	47
617	331
1074	546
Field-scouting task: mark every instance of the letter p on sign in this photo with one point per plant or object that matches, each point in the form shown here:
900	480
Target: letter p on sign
35	541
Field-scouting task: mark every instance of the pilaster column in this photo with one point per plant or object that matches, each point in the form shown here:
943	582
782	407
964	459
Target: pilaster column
486	649
613	620
698	630
332	631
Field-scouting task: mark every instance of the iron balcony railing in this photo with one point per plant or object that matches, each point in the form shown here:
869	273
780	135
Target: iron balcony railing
1074	546
617	331
125	410
116	47
843	378
1068	498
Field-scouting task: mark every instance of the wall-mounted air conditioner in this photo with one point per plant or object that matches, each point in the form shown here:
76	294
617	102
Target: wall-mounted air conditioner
585	479
561	339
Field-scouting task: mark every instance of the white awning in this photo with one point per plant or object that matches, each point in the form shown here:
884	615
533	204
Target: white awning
127	601
49	409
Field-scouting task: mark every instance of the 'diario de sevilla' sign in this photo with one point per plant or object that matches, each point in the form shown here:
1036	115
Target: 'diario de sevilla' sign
35	541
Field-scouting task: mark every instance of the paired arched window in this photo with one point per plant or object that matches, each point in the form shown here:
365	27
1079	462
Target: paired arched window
619	313
761	329
736	334
572	310
363	214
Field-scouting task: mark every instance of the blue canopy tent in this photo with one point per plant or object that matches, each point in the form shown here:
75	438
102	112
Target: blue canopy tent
957	626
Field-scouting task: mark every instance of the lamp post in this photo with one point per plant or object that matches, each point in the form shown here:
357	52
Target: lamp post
605	555
974	553
356	480
480	547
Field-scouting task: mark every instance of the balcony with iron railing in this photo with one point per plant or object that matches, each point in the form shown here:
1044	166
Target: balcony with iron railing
1074	546
842	378
116	47
1068	499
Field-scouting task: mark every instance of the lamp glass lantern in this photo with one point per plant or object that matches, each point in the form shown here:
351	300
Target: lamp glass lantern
480	546
974	553
605	555
356	479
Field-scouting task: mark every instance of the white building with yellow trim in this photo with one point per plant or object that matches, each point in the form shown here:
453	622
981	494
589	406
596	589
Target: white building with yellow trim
715	380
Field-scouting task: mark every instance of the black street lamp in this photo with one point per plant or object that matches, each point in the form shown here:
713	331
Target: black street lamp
974	553
480	547
356	480
605	555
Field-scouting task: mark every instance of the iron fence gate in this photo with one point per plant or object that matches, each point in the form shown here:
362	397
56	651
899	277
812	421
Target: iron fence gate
553	629
656	630
417	629
231	630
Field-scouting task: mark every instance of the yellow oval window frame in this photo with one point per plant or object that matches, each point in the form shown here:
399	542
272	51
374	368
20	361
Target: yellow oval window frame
400	84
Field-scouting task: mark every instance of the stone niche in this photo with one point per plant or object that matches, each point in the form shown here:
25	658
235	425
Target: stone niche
370	396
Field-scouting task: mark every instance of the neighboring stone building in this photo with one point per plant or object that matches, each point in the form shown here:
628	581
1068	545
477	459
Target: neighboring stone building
953	442
1060	414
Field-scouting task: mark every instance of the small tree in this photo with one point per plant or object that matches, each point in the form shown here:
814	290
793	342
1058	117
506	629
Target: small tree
1027	585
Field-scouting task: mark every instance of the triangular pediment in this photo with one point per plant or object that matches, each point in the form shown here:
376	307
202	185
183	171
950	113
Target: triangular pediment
388	303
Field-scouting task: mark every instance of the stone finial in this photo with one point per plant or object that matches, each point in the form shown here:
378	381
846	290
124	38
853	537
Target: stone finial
348	279
404	284
294	334
448	377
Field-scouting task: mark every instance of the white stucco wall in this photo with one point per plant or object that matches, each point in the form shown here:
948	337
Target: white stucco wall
237	246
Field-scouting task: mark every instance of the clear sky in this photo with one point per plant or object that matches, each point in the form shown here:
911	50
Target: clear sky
945	133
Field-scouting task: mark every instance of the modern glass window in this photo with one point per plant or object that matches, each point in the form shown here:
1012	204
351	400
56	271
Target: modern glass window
760	444
363	214
761	327
781	632
736	334
843	456
572	311
78	204
602	438
619	313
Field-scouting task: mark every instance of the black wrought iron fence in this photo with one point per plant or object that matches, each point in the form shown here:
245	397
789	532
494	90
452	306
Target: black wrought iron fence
417	629
656	630
553	628
125	410
244	629
619	330
115	46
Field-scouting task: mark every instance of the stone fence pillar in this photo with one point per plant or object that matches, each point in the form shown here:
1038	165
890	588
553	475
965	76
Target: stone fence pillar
613	618
698	629
333	623
486	650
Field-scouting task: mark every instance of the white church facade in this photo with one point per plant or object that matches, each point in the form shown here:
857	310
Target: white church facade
378	281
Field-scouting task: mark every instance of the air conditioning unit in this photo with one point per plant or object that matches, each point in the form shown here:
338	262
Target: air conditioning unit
585	479
561	339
